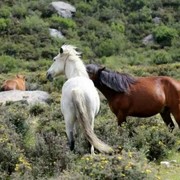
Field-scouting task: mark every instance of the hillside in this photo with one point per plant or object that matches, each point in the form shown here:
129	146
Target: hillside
137	37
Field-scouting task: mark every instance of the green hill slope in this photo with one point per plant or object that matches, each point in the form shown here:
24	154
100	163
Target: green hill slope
33	142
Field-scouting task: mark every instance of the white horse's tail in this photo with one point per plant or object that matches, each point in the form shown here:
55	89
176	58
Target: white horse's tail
83	116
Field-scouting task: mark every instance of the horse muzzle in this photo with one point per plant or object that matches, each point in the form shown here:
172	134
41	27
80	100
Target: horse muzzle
49	76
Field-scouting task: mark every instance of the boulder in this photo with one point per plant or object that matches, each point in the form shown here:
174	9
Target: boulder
29	97
148	39
64	9
55	33
156	20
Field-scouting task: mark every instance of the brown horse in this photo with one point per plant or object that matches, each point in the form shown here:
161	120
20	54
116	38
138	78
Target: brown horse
138	97
18	83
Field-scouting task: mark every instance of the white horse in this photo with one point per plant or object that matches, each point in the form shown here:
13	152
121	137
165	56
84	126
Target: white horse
80	100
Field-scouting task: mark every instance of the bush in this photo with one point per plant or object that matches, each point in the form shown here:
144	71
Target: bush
19	11
7	64
126	165
34	24
118	26
10	148
106	48
5	12
164	35
36	109
63	23
4	24
84	7
161	57
156	142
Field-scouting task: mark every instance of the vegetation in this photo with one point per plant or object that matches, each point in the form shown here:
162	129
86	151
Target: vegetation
33	142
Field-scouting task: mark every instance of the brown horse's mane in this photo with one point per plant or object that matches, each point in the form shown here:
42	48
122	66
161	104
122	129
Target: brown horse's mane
119	82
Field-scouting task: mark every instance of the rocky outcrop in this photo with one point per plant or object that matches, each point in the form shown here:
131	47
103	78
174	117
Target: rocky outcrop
29	97
55	33
148	39
64	9
156	20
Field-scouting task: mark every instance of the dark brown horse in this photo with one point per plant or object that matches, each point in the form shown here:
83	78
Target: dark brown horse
138	97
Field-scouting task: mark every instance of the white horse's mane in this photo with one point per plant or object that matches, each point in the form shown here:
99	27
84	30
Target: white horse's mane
71	50
77	68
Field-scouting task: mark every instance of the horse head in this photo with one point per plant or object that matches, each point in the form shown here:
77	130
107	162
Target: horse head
119	82
67	62
66	53
94	71
57	66
19	76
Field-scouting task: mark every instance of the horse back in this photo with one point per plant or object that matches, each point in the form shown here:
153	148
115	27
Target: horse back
146	97
13	84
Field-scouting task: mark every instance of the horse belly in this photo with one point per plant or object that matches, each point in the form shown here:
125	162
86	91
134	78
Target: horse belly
147	108
10	85
149	104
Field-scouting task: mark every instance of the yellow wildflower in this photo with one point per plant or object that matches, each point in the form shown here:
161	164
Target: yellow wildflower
119	157
130	154
148	171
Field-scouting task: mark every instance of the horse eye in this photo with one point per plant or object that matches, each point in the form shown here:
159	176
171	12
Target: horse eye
54	59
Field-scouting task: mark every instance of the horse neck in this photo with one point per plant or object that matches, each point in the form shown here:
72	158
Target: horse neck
107	92
75	68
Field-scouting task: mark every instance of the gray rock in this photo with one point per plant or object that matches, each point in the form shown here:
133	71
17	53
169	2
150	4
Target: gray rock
156	20
64	9
148	39
165	164
55	33
30	97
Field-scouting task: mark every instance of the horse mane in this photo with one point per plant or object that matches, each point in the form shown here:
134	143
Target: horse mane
71	50
75	57
119	82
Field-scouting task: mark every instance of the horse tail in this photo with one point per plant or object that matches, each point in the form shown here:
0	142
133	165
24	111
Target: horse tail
83	116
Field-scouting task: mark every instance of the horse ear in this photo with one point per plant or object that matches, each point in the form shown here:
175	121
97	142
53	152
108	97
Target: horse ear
17	75
61	50
102	69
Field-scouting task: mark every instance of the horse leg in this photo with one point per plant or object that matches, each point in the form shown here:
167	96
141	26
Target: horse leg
176	114
69	121
121	118
165	114
76	129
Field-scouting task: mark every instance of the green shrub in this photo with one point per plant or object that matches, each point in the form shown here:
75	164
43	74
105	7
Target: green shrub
84	7
34	24
106	48
16	116
126	165
156	142
118	26
19	11
7	64
36	109
3	24
136	5
161	57
10	148
144	15
5	11
164	35
63	23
